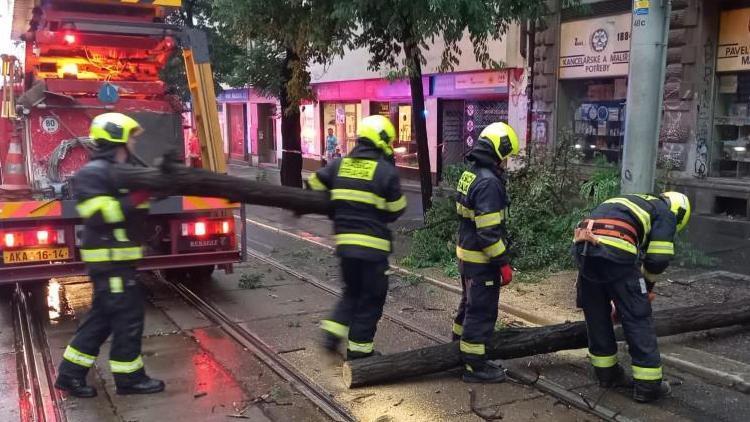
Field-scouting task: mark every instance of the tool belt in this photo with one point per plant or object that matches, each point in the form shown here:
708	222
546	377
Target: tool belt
588	229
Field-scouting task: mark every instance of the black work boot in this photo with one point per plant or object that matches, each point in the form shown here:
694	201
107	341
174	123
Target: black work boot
648	391
612	377
485	373
350	355
330	342
146	386
75	386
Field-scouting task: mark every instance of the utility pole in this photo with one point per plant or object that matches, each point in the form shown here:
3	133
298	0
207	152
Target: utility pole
648	56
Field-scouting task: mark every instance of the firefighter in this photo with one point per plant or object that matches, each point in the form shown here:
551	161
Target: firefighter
625	241
110	249
482	204
366	192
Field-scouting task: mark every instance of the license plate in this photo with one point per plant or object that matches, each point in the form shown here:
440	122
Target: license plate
33	255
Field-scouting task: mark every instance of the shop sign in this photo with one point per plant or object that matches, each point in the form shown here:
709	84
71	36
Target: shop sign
481	80
240	95
597	47
734	41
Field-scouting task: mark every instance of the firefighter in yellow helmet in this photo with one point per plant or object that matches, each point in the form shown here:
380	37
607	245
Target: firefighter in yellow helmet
481	204
366	193
624	241
110	248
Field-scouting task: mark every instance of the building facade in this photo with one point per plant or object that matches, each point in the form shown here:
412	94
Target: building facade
458	106
580	75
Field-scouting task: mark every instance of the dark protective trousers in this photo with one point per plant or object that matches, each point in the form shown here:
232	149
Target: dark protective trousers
117	309
477	315
361	306
601	282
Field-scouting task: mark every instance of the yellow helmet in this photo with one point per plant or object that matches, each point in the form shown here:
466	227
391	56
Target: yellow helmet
503	139
679	204
114	127
379	130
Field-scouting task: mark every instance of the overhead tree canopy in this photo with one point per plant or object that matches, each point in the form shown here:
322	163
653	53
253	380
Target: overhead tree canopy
282	38
397	33
198	14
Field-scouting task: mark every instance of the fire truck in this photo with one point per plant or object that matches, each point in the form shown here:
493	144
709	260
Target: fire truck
83	58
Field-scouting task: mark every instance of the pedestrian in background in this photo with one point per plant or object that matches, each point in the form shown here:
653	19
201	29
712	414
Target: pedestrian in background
331	144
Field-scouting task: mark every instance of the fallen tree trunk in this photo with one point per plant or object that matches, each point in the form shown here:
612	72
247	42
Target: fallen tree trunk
519	342
171	179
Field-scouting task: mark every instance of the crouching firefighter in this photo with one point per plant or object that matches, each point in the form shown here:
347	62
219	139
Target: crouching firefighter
625	241
112	220
366	193
482	204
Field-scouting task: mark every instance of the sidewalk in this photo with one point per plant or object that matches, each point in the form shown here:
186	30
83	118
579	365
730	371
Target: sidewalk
272	175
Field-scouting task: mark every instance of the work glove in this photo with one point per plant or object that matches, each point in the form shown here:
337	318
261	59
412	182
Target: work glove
506	274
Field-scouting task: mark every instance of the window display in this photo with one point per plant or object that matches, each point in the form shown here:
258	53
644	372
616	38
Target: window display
310	146
340	126
732	124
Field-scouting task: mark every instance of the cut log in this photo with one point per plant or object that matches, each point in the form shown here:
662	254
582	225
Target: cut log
180	180
519	342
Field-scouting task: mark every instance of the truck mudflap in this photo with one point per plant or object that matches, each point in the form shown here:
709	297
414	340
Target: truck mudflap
14	274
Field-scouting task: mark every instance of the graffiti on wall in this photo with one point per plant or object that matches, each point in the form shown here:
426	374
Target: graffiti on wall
703	126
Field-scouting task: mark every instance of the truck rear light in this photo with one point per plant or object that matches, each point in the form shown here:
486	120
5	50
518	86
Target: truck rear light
200	229
206	228
42	237
10	240
69	38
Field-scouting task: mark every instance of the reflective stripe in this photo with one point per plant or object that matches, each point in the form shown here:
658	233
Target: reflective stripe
476	257
646	374
363	240
315	183
495	250
396	205
107	205
464	211
358	196
111	254
126	367
639	212
488	220
472	348
333	327
361	347
79	358
143	206
660	248
115	285
618	243
121	235
458	329
603	361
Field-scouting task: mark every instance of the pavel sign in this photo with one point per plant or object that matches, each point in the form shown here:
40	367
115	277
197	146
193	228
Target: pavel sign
595	47
734	41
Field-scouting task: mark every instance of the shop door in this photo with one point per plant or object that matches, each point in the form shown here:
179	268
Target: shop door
266	134
237	132
452	132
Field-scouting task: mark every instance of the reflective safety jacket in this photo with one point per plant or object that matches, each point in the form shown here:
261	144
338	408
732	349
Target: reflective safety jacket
366	192
482	207
112	224
655	226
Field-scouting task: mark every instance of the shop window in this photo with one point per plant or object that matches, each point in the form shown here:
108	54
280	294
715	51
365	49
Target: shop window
310	146
598	118
733	207
732	127
340	122
405	144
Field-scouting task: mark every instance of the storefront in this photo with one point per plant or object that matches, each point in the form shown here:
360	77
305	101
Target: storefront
468	102
249	126
235	114
593	69
731	140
